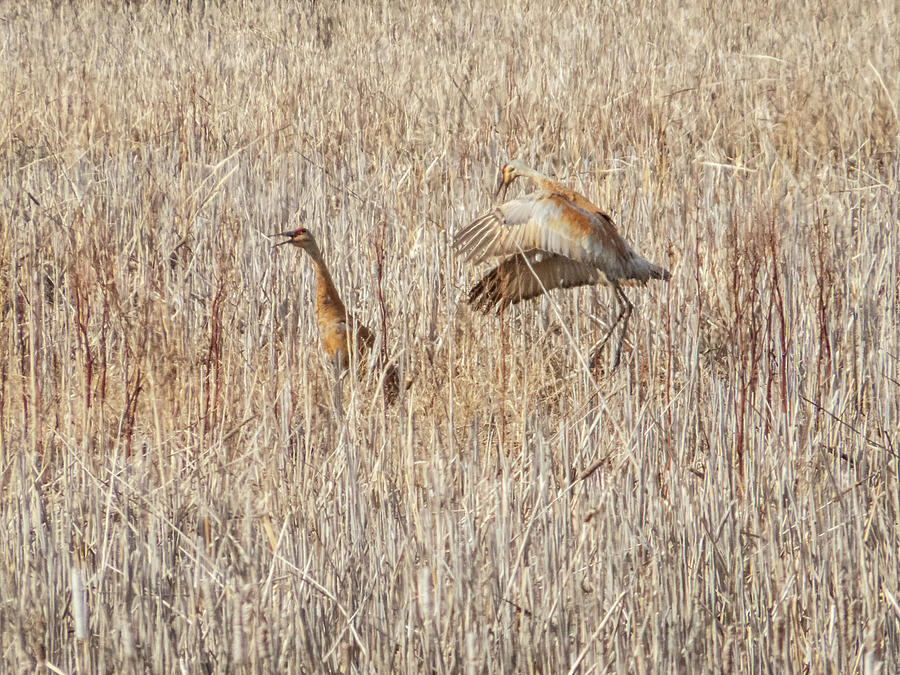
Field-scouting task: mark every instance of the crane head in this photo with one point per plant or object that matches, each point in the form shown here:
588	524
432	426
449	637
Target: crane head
510	171
301	238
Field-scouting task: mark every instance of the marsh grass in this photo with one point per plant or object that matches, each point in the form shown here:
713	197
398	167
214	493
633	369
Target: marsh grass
177	490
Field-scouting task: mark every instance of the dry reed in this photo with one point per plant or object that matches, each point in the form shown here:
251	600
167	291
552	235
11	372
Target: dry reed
727	500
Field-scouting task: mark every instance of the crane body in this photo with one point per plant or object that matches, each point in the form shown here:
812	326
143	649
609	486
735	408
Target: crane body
551	238
334	322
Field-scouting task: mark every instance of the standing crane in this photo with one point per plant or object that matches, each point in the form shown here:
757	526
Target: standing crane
333	318
551	238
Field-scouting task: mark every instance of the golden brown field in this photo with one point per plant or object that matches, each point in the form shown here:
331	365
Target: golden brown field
178	492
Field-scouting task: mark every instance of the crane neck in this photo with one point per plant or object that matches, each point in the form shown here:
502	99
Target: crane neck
533	174
551	185
327	297
542	181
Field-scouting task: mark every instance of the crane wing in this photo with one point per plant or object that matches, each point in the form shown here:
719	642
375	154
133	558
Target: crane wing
543	221
516	279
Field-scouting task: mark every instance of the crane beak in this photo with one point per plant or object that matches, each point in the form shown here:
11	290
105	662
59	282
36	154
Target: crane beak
289	235
502	186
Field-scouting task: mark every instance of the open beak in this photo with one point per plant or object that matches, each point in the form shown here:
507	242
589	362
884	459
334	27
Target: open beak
289	235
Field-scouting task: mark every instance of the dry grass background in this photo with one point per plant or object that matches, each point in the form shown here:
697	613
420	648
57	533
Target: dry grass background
728	499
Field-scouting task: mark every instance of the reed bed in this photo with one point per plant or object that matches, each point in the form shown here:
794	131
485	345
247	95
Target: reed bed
179	490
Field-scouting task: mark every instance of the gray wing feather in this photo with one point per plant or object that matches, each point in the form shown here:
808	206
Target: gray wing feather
523	277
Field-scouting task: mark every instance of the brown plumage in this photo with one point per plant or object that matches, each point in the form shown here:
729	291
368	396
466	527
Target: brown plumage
551	238
333	318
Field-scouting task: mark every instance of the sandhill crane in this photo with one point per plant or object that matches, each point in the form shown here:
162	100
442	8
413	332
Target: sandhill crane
551	238
332	316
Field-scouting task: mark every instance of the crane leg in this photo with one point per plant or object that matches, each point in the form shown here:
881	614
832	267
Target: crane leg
627	308
337	388
624	313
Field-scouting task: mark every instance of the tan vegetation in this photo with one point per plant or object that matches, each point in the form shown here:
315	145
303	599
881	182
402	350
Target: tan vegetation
176	492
